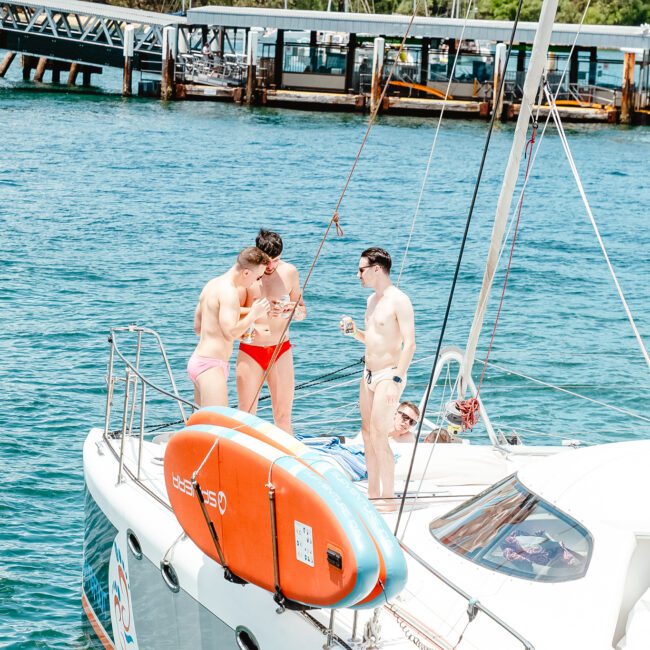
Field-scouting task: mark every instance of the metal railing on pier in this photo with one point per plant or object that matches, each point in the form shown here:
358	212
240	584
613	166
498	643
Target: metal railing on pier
83	31
228	70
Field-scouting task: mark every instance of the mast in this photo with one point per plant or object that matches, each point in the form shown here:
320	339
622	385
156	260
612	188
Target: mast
531	85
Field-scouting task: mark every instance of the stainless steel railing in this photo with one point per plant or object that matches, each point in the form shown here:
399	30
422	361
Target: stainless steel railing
473	605
134	382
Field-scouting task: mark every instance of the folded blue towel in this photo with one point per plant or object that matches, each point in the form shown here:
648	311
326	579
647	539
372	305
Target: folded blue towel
351	456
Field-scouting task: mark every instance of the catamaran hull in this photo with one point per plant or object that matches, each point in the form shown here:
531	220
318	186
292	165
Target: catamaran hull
131	602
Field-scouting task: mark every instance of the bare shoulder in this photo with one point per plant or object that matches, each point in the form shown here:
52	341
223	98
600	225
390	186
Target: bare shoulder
399	298
287	270
219	290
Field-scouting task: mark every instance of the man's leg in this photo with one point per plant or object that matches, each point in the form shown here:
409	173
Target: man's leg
249	375
281	387
213	387
365	407
382	415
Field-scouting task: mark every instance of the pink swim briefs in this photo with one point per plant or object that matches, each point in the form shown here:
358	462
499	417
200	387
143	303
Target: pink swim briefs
196	365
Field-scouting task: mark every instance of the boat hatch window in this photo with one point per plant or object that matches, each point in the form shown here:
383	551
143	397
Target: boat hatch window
509	529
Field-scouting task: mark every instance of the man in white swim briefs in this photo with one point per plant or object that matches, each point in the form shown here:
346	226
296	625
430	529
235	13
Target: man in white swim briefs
389	338
217	322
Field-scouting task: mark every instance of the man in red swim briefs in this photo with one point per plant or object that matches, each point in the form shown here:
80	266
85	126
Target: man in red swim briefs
217	322
280	285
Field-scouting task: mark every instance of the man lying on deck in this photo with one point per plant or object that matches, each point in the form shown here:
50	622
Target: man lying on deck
406	417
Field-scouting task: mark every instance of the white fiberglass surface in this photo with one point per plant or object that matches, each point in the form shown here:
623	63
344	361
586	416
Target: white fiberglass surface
509	529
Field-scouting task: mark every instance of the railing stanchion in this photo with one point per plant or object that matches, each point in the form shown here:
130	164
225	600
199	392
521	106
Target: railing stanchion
171	375
127	386
135	380
142	409
109	391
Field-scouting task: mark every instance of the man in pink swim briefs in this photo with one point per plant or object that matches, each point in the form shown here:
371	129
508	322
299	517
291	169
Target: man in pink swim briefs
389	339
217	322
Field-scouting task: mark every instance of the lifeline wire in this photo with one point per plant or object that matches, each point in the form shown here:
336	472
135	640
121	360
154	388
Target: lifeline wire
457	270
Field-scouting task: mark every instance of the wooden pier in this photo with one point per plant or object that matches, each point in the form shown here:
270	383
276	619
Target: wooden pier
328	61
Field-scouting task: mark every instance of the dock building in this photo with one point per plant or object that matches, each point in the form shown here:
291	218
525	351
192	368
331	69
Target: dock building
331	60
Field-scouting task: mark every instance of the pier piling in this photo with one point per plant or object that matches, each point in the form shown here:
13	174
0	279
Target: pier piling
41	66
28	63
72	74
377	72
6	62
167	80
251	73
127	75
499	65
627	90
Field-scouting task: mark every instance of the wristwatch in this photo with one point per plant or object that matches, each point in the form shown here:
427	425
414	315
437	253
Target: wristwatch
397	379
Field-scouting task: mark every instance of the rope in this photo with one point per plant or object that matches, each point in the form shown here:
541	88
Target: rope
323	379
576	175
335	220
457	269
433	147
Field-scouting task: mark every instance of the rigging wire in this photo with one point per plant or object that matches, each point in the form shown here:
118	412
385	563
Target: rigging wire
334	220
590	214
632	414
433	146
458	262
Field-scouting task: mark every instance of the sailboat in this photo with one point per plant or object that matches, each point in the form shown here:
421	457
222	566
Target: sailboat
501	545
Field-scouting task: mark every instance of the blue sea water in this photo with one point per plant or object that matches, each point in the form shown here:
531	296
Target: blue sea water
114	212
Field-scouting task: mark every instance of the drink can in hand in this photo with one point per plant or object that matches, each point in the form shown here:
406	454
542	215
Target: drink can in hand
283	302
248	335
347	325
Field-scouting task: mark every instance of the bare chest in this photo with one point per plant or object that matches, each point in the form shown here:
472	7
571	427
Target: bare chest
381	317
272	287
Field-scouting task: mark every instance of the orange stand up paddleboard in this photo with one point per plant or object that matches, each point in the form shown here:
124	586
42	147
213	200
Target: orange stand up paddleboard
304	544
393	571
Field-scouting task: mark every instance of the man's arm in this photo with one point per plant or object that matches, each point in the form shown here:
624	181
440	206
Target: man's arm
197	319
294	294
406	322
230	322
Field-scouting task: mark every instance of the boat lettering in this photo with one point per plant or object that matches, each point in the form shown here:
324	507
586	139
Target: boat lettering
184	485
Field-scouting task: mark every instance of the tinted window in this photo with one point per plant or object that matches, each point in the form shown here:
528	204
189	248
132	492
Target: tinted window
509	529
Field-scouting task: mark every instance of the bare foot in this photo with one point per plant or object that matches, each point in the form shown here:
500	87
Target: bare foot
386	505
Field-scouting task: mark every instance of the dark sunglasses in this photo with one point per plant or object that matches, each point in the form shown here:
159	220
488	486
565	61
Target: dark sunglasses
363	268
407	418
